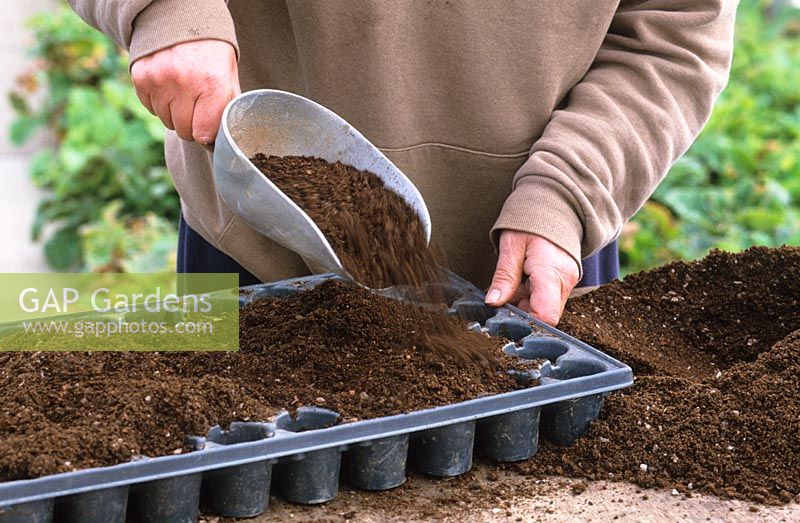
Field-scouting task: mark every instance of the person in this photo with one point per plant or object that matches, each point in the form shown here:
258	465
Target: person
533	129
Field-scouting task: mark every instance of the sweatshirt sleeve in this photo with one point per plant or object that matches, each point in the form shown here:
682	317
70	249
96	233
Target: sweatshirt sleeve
147	26
643	101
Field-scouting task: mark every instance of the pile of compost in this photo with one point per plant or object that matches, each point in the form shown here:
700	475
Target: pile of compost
715	346
336	346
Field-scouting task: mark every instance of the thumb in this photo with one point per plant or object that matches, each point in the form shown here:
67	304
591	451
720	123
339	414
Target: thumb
508	273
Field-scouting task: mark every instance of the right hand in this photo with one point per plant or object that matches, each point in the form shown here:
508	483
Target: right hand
188	86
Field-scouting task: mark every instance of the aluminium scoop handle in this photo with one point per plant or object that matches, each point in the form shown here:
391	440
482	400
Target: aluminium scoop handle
279	123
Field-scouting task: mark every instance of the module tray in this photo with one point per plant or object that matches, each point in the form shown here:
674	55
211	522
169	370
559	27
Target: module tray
302	459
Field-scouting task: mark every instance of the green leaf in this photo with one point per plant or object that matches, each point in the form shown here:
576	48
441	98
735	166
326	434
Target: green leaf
22	128
62	249
42	168
19	104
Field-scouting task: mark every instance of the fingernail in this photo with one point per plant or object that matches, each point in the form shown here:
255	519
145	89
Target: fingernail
493	296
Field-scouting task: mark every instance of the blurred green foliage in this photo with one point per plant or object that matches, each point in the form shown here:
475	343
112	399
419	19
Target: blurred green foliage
110	203
739	184
114	244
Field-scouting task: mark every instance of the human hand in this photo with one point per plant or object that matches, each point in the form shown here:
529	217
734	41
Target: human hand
552	274
188	86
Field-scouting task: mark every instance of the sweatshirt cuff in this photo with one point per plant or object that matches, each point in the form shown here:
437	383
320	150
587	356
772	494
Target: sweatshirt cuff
542	206
165	23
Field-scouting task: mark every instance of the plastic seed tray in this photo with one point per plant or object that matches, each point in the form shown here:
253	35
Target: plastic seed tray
303	459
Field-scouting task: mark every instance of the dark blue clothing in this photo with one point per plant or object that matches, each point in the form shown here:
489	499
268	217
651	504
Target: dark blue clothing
195	254
601	267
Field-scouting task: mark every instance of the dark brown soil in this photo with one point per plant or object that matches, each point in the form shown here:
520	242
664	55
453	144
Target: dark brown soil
337	346
716	406
363	355
376	234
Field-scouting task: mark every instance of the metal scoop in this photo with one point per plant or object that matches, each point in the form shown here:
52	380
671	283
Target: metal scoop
282	124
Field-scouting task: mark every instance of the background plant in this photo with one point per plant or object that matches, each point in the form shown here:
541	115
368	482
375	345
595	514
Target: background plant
739	184
108	162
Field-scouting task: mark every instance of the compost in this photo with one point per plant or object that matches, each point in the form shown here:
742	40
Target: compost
716	405
376	234
336	346
378	237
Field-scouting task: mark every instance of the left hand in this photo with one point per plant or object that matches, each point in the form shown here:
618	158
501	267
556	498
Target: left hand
552	274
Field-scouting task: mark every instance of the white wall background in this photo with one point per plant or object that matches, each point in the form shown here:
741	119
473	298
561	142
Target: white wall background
18	197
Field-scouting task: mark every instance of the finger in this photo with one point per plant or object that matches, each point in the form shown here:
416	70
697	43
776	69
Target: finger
508	274
140	78
144	97
525	305
207	115
182	111
547	294
522	292
162	110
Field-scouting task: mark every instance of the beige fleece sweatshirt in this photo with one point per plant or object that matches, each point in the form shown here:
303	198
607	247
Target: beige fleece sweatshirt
555	117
